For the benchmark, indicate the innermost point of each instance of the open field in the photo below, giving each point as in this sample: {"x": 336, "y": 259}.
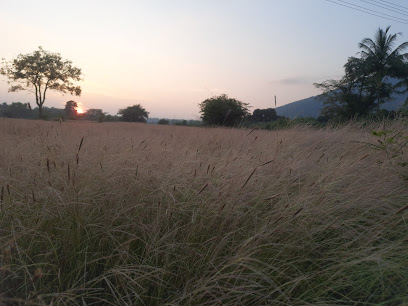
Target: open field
{"x": 153, "y": 215}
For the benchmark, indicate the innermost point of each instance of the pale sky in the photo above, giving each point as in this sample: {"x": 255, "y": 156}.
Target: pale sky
{"x": 169, "y": 55}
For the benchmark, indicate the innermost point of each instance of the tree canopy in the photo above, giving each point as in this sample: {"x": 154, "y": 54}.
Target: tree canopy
{"x": 163, "y": 122}
{"x": 222, "y": 110}
{"x": 95, "y": 114}
{"x": 369, "y": 80}
{"x": 16, "y": 110}
{"x": 135, "y": 113}
{"x": 39, "y": 72}
{"x": 71, "y": 109}
{"x": 264, "y": 115}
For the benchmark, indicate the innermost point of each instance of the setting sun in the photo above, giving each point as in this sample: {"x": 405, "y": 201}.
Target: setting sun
{"x": 80, "y": 110}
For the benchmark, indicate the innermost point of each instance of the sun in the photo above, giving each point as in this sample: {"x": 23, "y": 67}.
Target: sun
{"x": 80, "y": 110}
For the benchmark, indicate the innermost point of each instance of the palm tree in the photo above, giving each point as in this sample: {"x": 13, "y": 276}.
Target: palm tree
{"x": 382, "y": 60}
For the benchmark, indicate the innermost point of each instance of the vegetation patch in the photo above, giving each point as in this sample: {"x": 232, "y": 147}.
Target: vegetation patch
{"x": 128, "y": 213}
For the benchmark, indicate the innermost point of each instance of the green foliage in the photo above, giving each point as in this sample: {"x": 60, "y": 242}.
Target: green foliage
{"x": 39, "y": 72}
{"x": 186, "y": 122}
{"x": 393, "y": 144}
{"x": 112, "y": 118}
{"x": 16, "y": 110}
{"x": 365, "y": 85}
{"x": 49, "y": 113}
{"x": 286, "y": 123}
{"x": 390, "y": 142}
{"x": 264, "y": 115}
{"x": 404, "y": 109}
{"x": 222, "y": 110}
{"x": 24, "y": 111}
{"x": 135, "y": 113}
{"x": 95, "y": 114}
{"x": 163, "y": 122}
{"x": 181, "y": 123}
{"x": 71, "y": 110}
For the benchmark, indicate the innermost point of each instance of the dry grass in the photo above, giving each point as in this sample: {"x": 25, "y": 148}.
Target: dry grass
{"x": 155, "y": 215}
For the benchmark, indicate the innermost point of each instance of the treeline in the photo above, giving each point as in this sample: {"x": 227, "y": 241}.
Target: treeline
{"x": 180, "y": 122}
{"x": 369, "y": 80}
{"x": 21, "y": 110}
{"x": 24, "y": 111}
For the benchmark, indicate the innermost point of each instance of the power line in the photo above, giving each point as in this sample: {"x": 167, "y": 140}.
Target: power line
{"x": 404, "y": 7}
{"x": 405, "y": 10}
{"x": 364, "y": 10}
{"x": 384, "y": 7}
{"x": 362, "y": 7}
{"x": 368, "y": 12}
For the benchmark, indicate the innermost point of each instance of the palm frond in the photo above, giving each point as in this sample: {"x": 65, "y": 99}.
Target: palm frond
{"x": 400, "y": 48}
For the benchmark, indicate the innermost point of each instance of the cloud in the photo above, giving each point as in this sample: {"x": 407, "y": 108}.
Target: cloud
{"x": 303, "y": 80}
{"x": 295, "y": 81}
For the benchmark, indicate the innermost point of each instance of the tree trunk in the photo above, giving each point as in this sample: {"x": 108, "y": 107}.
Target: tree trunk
{"x": 40, "y": 113}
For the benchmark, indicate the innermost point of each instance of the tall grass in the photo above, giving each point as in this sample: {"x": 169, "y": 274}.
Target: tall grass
{"x": 167, "y": 215}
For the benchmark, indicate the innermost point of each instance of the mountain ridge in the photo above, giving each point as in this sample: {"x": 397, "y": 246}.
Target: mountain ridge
{"x": 312, "y": 106}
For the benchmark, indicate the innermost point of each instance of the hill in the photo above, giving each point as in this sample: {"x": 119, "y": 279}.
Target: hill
{"x": 311, "y": 107}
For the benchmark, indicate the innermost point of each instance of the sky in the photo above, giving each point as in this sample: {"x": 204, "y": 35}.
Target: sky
{"x": 170, "y": 55}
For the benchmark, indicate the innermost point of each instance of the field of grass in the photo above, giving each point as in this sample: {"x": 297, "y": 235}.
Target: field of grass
{"x": 122, "y": 214}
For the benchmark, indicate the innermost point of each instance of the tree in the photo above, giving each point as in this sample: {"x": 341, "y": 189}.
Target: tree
{"x": 163, "y": 122}
{"x": 135, "y": 113}
{"x": 367, "y": 84}
{"x": 353, "y": 95}
{"x": 95, "y": 114}
{"x": 71, "y": 109}
{"x": 264, "y": 115}
{"x": 381, "y": 60}
{"x": 222, "y": 110}
{"x": 39, "y": 72}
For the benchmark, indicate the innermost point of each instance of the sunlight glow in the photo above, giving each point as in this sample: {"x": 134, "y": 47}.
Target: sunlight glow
{"x": 80, "y": 110}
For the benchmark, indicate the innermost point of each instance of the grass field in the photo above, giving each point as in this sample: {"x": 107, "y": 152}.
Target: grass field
{"x": 122, "y": 214}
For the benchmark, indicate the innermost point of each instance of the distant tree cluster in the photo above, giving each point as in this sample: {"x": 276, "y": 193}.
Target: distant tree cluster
{"x": 163, "y": 122}
{"x": 264, "y": 115}
{"x": 16, "y": 110}
{"x": 369, "y": 80}
{"x": 24, "y": 111}
{"x": 224, "y": 111}
{"x": 134, "y": 113}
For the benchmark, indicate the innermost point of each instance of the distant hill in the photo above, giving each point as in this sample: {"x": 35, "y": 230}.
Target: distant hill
{"x": 311, "y": 107}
